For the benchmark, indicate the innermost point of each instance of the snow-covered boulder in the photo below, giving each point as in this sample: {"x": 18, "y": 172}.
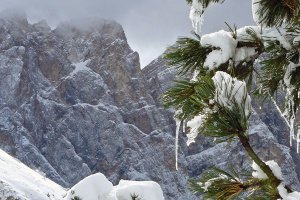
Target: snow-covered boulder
{"x": 98, "y": 187}
{"x": 93, "y": 187}
{"x": 147, "y": 190}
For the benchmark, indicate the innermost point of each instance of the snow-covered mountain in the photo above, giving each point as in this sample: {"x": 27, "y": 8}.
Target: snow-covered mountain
{"x": 74, "y": 102}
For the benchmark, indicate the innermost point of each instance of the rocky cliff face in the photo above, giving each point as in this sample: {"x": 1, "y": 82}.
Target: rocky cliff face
{"x": 73, "y": 101}
{"x": 268, "y": 132}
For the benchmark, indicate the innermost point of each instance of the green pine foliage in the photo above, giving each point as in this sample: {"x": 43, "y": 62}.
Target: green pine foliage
{"x": 275, "y": 13}
{"x": 188, "y": 55}
{"x": 218, "y": 184}
{"x": 272, "y": 12}
{"x": 192, "y": 98}
{"x": 196, "y": 97}
{"x": 225, "y": 124}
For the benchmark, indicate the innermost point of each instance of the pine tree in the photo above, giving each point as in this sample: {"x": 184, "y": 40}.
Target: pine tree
{"x": 222, "y": 65}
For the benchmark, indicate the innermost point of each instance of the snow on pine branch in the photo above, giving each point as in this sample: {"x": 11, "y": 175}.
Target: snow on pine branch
{"x": 258, "y": 173}
{"x": 230, "y": 91}
{"x": 225, "y": 48}
{"x": 193, "y": 126}
{"x": 196, "y": 15}
{"x": 228, "y": 46}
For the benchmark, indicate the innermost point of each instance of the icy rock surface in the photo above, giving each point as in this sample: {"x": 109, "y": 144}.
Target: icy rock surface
{"x": 73, "y": 101}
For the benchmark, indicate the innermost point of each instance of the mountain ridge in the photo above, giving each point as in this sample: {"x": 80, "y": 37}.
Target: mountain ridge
{"x": 75, "y": 103}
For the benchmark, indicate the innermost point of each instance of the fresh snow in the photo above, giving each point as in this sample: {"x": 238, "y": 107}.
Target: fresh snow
{"x": 287, "y": 196}
{"x": 196, "y": 15}
{"x": 80, "y": 66}
{"x": 229, "y": 90}
{"x": 209, "y": 182}
{"x": 226, "y": 45}
{"x": 19, "y": 181}
{"x": 93, "y": 187}
{"x": 258, "y": 173}
{"x": 242, "y": 32}
{"x": 244, "y": 54}
{"x": 193, "y": 124}
{"x": 145, "y": 190}
{"x": 98, "y": 187}
{"x": 275, "y": 35}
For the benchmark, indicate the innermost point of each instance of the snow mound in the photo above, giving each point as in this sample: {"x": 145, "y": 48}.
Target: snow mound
{"x": 20, "y": 182}
{"x": 93, "y": 187}
{"x": 145, "y": 190}
{"x": 98, "y": 187}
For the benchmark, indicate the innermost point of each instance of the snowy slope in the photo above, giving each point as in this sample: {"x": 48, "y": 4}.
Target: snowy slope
{"x": 22, "y": 183}
{"x": 19, "y": 181}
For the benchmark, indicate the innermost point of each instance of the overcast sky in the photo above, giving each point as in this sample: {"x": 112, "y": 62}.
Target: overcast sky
{"x": 150, "y": 25}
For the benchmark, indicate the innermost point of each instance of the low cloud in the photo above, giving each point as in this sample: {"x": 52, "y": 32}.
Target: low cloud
{"x": 150, "y": 26}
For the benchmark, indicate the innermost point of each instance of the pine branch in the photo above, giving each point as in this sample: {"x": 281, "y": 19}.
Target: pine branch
{"x": 224, "y": 124}
{"x": 265, "y": 168}
{"x": 275, "y": 13}
{"x": 221, "y": 185}
{"x": 190, "y": 97}
{"x": 271, "y": 13}
{"x": 188, "y": 55}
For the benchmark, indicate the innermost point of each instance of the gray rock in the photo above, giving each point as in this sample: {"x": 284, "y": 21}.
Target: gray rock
{"x": 74, "y": 102}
